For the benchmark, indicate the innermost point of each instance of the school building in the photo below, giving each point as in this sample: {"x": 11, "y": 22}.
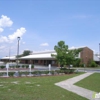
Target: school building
{"x": 45, "y": 58}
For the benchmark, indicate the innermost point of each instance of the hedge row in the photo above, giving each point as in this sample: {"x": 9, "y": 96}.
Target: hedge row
{"x": 38, "y": 73}
{"x": 23, "y": 66}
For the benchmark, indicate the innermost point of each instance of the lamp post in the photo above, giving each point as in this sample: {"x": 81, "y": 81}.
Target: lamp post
{"x": 18, "y": 38}
{"x": 85, "y": 65}
{"x": 9, "y": 55}
{"x": 86, "y": 61}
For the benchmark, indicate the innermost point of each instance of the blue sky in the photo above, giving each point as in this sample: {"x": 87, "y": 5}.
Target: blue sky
{"x": 42, "y": 23}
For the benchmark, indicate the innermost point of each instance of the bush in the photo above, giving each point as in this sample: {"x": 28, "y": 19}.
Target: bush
{"x": 46, "y": 72}
{"x": 62, "y": 71}
{"x": 58, "y": 71}
{"x": 37, "y": 72}
{"x": 1, "y": 73}
{"x": 92, "y": 64}
{"x": 32, "y": 66}
{"x": 27, "y": 66}
{"x": 23, "y": 66}
{"x": 2, "y": 67}
{"x": 11, "y": 73}
{"x": 18, "y": 66}
{"x": 52, "y": 72}
{"x": 67, "y": 71}
{"x": 25, "y": 73}
{"x": 72, "y": 70}
{"x": 63, "y": 68}
{"x": 81, "y": 65}
{"x": 77, "y": 62}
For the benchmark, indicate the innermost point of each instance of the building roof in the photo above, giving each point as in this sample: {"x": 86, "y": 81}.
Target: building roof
{"x": 39, "y": 56}
{"x": 11, "y": 58}
{"x": 72, "y": 48}
{"x": 43, "y": 55}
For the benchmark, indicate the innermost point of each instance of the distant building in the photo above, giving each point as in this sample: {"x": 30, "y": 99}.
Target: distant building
{"x": 45, "y": 58}
{"x": 9, "y": 59}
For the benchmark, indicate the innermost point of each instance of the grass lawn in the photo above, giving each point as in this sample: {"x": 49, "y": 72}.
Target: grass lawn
{"x": 92, "y": 82}
{"x": 36, "y": 88}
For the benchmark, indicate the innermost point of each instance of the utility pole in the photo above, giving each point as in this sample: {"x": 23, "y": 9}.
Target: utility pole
{"x": 18, "y": 38}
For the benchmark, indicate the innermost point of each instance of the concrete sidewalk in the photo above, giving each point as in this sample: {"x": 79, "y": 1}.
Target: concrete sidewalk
{"x": 68, "y": 85}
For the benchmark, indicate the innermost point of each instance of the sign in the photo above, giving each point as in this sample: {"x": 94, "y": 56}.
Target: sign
{"x": 30, "y": 66}
{"x": 49, "y": 67}
{"x": 7, "y": 66}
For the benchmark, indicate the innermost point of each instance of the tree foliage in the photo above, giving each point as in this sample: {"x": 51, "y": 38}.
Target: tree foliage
{"x": 92, "y": 64}
{"x": 65, "y": 56}
{"x": 77, "y": 62}
{"x": 25, "y": 53}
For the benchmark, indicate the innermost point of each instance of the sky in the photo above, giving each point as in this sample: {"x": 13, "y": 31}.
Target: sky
{"x": 42, "y": 23}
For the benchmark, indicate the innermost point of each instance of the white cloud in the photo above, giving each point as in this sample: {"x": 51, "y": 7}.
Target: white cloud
{"x": 72, "y": 47}
{"x": 2, "y": 47}
{"x": 1, "y": 30}
{"x": 3, "y": 39}
{"x": 18, "y": 33}
{"x": 5, "y": 21}
{"x": 23, "y": 42}
{"x": 12, "y": 37}
{"x": 44, "y": 44}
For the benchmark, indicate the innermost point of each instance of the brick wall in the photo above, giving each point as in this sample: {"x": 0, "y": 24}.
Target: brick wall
{"x": 86, "y": 55}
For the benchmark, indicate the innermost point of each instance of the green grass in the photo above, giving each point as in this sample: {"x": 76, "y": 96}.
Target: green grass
{"x": 92, "y": 82}
{"x": 36, "y": 88}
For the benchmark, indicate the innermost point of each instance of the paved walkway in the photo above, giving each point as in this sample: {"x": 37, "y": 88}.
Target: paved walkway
{"x": 68, "y": 85}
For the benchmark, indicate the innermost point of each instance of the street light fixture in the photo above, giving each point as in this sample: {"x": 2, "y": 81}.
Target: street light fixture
{"x": 18, "y": 38}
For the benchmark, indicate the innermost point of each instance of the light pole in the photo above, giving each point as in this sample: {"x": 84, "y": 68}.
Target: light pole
{"x": 85, "y": 65}
{"x": 86, "y": 61}
{"x": 9, "y": 55}
{"x": 18, "y": 38}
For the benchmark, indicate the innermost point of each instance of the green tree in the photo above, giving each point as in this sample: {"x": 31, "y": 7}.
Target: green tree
{"x": 65, "y": 56}
{"x": 92, "y": 64}
{"x": 25, "y": 53}
{"x": 77, "y": 62}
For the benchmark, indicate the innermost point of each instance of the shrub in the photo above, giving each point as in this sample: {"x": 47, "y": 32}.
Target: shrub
{"x": 37, "y": 72}
{"x": 67, "y": 71}
{"x": 81, "y": 65}
{"x": 76, "y": 62}
{"x": 27, "y": 66}
{"x": 58, "y": 71}
{"x": 63, "y": 68}
{"x": 23, "y": 66}
{"x": 52, "y": 72}
{"x": 2, "y": 67}
{"x": 72, "y": 70}
{"x": 46, "y": 72}
{"x": 32, "y": 66}
{"x": 11, "y": 73}
{"x": 92, "y": 64}
{"x": 62, "y": 71}
{"x": 1, "y": 73}
{"x": 25, "y": 73}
